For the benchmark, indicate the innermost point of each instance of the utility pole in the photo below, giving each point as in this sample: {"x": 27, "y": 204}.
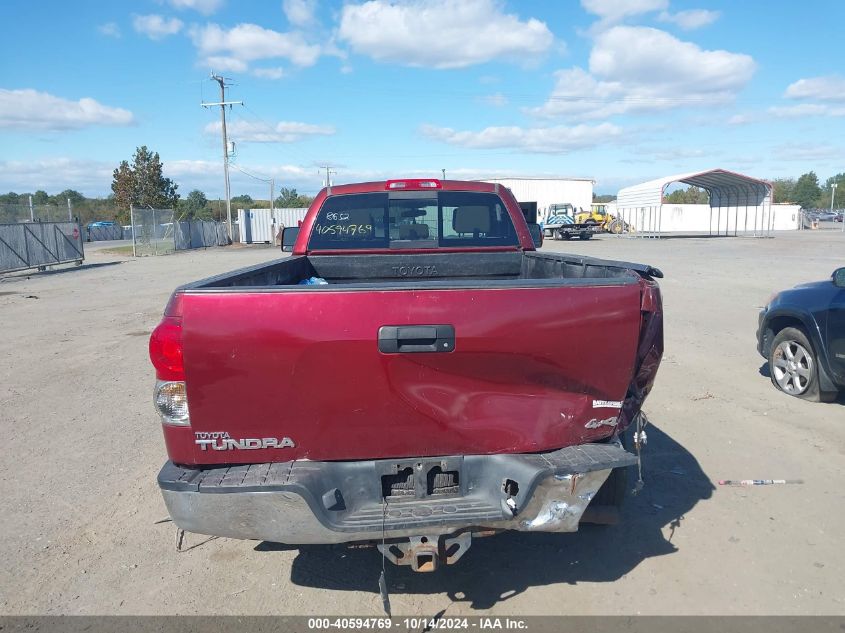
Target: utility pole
{"x": 272, "y": 193}
{"x": 223, "y": 103}
{"x": 444, "y": 173}
{"x": 833, "y": 187}
{"x": 329, "y": 172}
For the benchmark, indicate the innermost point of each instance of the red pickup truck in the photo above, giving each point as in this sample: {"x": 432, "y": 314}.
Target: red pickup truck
{"x": 414, "y": 374}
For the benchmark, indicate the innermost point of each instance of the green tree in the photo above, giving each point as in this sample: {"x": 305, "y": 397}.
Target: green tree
{"x": 607, "y": 197}
{"x": 11, "y": 198}
{"x": 40, "y": 197}
{"x": 807, "y": 191}
{"x": 782, "y": 189}
{"x": 242, "y": 202}
{"x": 690, "y": 195}
{"x": 71, "y": 194}
{"x": 194, "y": 206}
{"x": 143, "y": 183}
{"x": 290, "y": 199}
{"x": 123, "y": 186}
{"x": 839, "y": 200}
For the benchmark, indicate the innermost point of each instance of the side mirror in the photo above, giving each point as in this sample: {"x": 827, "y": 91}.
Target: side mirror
{"x": 839, "y": 277}
{"x": 289, "y": 236}
{"x": 536, "y": 234}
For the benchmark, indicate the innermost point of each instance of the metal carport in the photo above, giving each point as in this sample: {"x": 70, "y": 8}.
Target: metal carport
{"x": 738, "y": 203}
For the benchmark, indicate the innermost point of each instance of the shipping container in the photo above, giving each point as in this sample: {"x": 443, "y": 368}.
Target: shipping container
{"x": 262, "y": 225}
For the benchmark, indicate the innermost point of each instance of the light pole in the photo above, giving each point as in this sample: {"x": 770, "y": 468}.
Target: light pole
{"x": 833, "y": 187}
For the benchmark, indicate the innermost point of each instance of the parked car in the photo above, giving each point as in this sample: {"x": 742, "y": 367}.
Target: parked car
{"x": 414, "y": 375}
{"x": 827, "y": 216}
{"x": 802, "y": 334}
{"x": 101, "y": 223}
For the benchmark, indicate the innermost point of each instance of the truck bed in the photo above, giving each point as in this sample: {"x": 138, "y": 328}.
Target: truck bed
{"x": 546, "y": 351}
{"x": 469, "y": 269}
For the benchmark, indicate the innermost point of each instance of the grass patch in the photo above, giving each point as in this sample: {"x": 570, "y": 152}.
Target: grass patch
{"x": 119, "y": 250}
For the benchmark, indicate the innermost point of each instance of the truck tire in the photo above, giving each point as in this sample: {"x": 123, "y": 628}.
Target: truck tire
{"x": 794, "y": 367}
{"x": 585, "y": 235}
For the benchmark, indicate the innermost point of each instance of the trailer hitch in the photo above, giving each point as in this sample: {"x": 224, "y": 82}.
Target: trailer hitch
{"x": 425, "y": 554}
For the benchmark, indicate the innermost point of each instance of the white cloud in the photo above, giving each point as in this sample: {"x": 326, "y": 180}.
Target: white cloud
{"x": 207, "y": 176}
{"x": 543, "y": 140}
{"x": 691, "y": 19}
{"x": 34, "y": 110}
{"x": 206, "y": 7}
{"x": 740, "y": 119}
{"x": 441, "y": 33}
{"x": 56, "y": 174}
{"x": 830, "y": 88}
{"x": 641, "y": 69}
{"x": 246, "y": 43}
{"x": 109, "y": 29}
{"x": 615, "y": 10}
{"x": 281, "y": 132}
{"x": 642, "y": 54}
{"x": 805, "y": 151}
{"x": 300, "y": 12}
{"x": 221, "y": 63}
{"x": 156, "y": 26}
{"x": 269, "y": 73}
{"x": 497, "y": 100}
{"x": 667, "y": 154}
{"x": 803, "y": 110}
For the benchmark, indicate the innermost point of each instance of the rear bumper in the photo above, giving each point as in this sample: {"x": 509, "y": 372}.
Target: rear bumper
{"x": 304, "y": 502}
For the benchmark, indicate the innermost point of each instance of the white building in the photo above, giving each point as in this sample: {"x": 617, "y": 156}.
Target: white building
{"x": 547, "y": 191}
{"x": 739, "y": 204}
{"x": 699, "y": 219}
{"x": 262, "y": 225}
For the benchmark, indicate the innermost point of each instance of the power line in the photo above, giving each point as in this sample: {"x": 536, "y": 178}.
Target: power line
{"x": 271, "y": 181}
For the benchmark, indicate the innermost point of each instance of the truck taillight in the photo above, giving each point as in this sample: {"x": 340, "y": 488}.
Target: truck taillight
{"x": 166, "y": 349}
{"x": 171, "y": 402}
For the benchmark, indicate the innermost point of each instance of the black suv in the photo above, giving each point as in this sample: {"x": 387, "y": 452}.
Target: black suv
{"x": 802, "y": 335}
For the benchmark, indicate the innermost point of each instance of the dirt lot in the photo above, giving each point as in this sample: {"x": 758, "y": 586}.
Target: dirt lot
{"x": 85, "y": 530}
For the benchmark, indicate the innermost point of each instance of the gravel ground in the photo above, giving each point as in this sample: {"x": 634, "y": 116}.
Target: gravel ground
{"x": 85, "y": 530}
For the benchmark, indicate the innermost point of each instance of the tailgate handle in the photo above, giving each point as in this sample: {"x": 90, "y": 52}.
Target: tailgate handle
{"x": 407, "y": 339}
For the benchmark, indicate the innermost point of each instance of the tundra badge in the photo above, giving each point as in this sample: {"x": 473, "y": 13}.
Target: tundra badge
{"x": 221, "y": 441}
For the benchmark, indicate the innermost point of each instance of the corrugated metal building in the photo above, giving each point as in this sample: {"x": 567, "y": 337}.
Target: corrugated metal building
{"x": 262, "y": 225}
{"x": 547, "y": 191}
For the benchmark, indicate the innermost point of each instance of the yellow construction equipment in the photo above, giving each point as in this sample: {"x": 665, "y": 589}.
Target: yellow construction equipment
{"x": 599, "y": 216}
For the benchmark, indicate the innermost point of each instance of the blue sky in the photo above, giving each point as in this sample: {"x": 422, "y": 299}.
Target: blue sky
{"x": 619, "y": 91}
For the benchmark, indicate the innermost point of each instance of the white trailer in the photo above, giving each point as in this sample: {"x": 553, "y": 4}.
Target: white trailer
{"x": 548, "y": 191}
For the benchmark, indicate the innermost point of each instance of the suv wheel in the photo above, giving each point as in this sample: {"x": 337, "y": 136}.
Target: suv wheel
{"x": 794, "y": 366}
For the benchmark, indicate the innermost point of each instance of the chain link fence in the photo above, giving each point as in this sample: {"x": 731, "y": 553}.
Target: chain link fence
{"x": 16, "y": 213}
{"x": 160, "y": 232}
{"x": 152, "y": 232}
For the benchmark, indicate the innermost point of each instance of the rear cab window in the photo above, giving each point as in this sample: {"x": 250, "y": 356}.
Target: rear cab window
{"x": 412, "y": 219}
